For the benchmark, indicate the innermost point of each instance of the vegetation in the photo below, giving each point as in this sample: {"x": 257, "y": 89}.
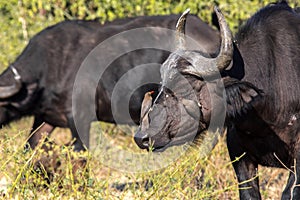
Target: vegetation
{"x": 21, "y": 19}
{"x": 190, "y": 177}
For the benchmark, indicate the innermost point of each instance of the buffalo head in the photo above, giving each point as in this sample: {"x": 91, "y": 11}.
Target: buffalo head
{"x": 8, "y": 91}
{"x": 193, "y": 96}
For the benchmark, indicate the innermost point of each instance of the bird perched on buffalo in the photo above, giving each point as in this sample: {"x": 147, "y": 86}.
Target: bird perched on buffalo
{"x": 146, "y": 105}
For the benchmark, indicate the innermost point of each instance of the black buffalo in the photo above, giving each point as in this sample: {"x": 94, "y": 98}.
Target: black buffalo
{"x": 40, "y": 82}
{"x": 258, "y": 76}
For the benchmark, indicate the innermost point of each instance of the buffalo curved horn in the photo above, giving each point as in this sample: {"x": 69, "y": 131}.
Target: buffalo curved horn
{"x": 224, "y": 58}
{"x": 203, "y": 66}
{"x": 8, "y": 91}
{"x": 180, "y": 30}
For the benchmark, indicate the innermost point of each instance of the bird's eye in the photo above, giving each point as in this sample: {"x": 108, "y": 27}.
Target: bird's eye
{"x": 200, "y": 105}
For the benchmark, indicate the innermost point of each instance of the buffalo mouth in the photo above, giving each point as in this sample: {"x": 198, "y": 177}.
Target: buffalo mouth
{"x": 11, "y": 90}
{"x": 158, "y": 149}
{"x": 182, "y": 141}
{"x": 205, "y": 142}
{"x": 170, "y": 144}
{"x": 158, "y": 144}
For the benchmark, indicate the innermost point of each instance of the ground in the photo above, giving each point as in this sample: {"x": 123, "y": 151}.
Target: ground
{"x": 112, "y": 174}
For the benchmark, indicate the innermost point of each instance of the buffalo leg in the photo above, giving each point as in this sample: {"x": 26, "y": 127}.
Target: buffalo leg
{"x": 286, "y": 194}
{"x": 292, "y": 189}
{"x": 245, "y": 169}
{"x": 83, "y": 127}
{"x": 37, "y": 132}
{"x": 296, "y": 186}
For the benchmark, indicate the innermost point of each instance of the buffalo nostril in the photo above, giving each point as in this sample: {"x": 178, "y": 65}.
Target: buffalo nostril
{"x": 145, "y": 142}
{"x": 141, "y": 140}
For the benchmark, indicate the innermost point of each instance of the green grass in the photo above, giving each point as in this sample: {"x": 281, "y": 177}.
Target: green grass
{"x": 188, "y": 177}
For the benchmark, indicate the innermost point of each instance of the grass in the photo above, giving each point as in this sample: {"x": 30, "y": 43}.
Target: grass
{"x": 186, "y": 177}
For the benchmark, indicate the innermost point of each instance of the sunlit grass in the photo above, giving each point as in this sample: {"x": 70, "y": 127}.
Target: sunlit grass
{"x": 187, "y": 177}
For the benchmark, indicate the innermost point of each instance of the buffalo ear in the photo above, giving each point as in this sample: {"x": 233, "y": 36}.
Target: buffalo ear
{"x": 241, "y": 97}
{"x": 249, "y": 94}
{"x": 191, "y": 108}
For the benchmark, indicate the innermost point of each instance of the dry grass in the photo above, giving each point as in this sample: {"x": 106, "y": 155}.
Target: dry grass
{"x": 188, "y": 177}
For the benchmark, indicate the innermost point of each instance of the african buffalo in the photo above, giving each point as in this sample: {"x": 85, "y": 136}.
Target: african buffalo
{"x": 254, "y": 81}
{"x": 40, "y": 82}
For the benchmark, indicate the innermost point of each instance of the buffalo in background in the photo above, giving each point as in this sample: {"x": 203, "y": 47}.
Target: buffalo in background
{"x": 254, "y": 82}
{"x": 40, "y": 82}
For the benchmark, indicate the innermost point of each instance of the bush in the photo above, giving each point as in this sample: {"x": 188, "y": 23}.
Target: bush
{"x": 21, "y": 19}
